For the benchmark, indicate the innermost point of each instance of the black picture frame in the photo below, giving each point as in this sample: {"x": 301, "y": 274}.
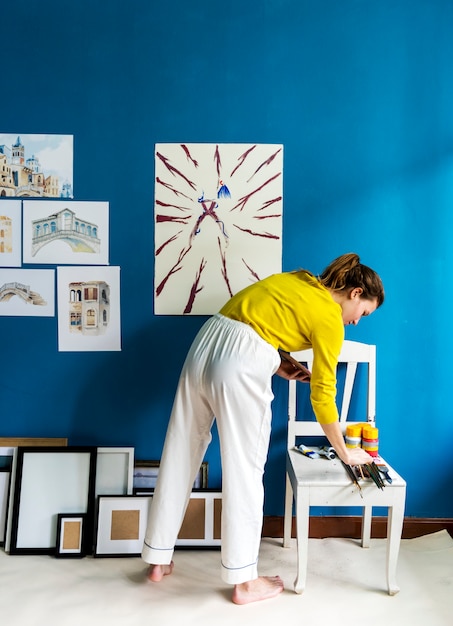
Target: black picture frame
{"x": 71, "y": 531}
{"x": 50, "y": 481}
{"x": 145, "y": 476}
{"x": 121, "y": 525}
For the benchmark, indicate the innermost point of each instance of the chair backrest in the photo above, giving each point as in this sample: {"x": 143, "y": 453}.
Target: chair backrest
{"x": 351, "y": 354}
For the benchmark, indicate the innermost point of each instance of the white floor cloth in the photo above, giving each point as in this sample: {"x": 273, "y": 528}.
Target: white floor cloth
{"x": 345, "y": 585}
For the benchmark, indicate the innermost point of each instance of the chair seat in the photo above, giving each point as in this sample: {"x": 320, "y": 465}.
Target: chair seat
{"x": 323, "y": 475}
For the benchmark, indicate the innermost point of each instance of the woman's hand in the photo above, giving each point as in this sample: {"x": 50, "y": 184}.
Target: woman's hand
{"x": 350, "y": 456}
{"x": 293, "y": 370}
{"x": 357, "y": 456}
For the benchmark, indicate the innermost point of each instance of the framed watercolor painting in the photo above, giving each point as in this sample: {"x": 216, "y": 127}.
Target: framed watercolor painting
{"x": 88, "y": 308}
{"x": 36, "y": 165}
{"x": 66, "y": 232}
{"x": 27, "y": 293}
{"x": 10, "y": 233}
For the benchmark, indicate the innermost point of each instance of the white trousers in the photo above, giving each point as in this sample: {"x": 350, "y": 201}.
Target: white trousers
{"x": 227, "y": 376}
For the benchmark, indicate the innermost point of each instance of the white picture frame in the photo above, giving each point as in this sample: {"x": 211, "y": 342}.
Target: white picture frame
{"x": 5, "y": 478}
{"x": 122, "y": 520}
{"x": 12, "y": 489}
{"x": 114, "y": 471}
{"x": 6, "y": 456}
{"x": 201, "y": 525}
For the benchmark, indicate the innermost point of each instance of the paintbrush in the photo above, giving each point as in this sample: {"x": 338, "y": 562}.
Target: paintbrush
{"x": 384, "y": 470}
{"x": 353, "y": 477}
{"x": 369, "y": 470}
{"x": 374, "y": 474}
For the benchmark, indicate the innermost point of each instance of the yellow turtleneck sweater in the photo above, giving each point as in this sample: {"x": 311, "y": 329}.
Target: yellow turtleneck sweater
{"x": 293, "y": 311}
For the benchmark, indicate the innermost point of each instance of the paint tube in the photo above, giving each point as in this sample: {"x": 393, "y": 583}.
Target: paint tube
{"x": 328, "y": 452}
{"x": 312, "y": 454}
{"x": 316, "y": 452}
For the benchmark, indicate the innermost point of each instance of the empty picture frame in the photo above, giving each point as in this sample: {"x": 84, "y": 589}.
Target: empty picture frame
{"x": 5, "y": 476}
{"x": 40, "y": 442}
{"x": 8, "y": 459}
{"x": 71, "y": 529}
{"x": 114, "y": 471}
{"x": 50, "y": 481}
{"x": 145, "y": 476}
{"x": 121, "y": 525}
{"x": 122, "y": 521}
{"x": 201, "y": 525}
{"x": 9, "y": 506}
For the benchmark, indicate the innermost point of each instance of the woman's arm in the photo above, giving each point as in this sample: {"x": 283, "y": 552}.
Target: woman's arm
{"x": 350, "y": 456}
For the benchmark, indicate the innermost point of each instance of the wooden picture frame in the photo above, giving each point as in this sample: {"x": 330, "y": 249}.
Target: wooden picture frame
{"x": 146, "y": 472}
{"x": 49, "y": 481}
{"x": 71, "y": 531}
{"x": 16, "y": 442}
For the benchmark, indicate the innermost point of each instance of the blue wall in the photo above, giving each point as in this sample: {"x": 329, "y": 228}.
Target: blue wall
{"x": 361, "y": 95}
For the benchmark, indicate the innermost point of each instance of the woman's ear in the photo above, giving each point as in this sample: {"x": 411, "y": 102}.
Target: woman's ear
{"x": 356, "y": 292}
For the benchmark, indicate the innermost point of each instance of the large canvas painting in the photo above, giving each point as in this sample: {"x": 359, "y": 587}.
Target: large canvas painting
{"x": 36, "y": 166}
{"x": 218, "y": 222}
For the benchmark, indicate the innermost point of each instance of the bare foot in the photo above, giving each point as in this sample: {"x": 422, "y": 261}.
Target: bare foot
{"x": 260, "y": 588}
{"x": 157, "y": 572}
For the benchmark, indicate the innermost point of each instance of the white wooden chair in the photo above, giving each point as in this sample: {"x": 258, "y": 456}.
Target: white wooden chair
{"x": 323, "y": 482}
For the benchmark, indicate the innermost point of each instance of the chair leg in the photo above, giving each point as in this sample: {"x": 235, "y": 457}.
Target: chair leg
{"x": 288, "y": 519}
{"x": 367, "y": 512}
{"x": 394, "y": 532}
{"x": 302, "y": 522}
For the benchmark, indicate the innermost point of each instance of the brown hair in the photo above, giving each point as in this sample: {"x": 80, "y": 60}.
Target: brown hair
{"x": 346, "y": 272}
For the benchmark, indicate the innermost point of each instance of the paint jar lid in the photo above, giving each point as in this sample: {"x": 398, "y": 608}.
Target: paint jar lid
{"x": 370, "y": 432}
{"x": 354, "y": 430}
